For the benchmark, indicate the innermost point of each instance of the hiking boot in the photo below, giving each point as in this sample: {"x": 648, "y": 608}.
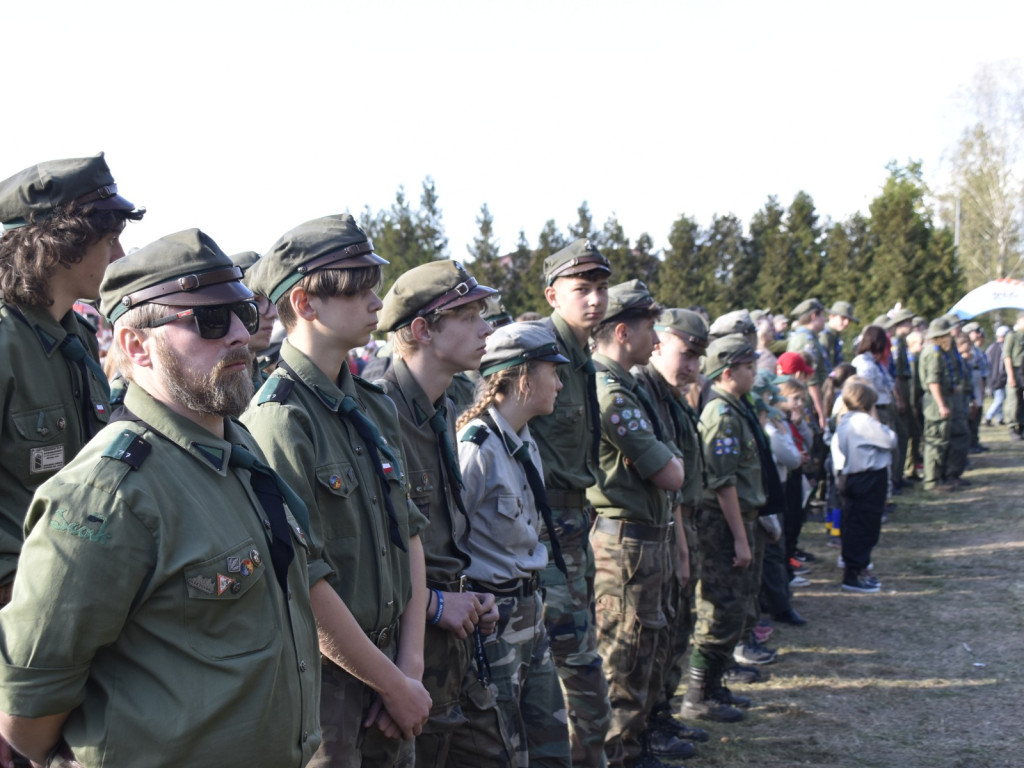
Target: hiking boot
{"x": 698, "y": 706}
{"x": 859, "y": 584}
{"x": 740, "y": 674}
{"x": 718, "y": 691}
{"x": 661, "y": 743}
{"x": 662, "y": 720}
{"x": 753, "y": 653}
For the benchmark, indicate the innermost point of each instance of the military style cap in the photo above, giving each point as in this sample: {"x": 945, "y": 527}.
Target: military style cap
{"x": 628, "y": 299}
{"x": 843, "y": 309}
{"x": 883, "y": 321}
{"x": 726, "y": 352}
{"x": 495, "y": 312}
{"x": 807, "y": 305}
{"x": 973, "y": 327}
{"x": 900, "y": 316}
{"x": 940, "y": 326}
{"x": 737, "y": 321}
{"x": 186, "y": 269}
{"x": 765, "y": 382}
{"x": 792, "y": 362}
{"x": 245, "y": 260}
{"x": 428, "y": 288}
{"x": 576, "y": 258}
{"x": 330, "y": 242}
{"x": 37, "y": 191}
{"x": 687, "y": 325}
{"x": 518, "y": 343}
{"x": 954, "y": 320}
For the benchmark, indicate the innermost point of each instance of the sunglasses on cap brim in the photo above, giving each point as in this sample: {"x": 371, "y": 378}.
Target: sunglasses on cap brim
{"x": 214, "y": 322}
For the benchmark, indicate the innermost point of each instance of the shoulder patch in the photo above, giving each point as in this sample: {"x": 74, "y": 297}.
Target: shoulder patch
{"x": 276, "y": 390}
{"x": 475, "y": 434}
{"x": 130, "y": 448}
{"x": 369, "y": 385}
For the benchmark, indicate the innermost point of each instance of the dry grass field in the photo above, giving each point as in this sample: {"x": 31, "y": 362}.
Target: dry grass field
{"x": 927, "y": 673}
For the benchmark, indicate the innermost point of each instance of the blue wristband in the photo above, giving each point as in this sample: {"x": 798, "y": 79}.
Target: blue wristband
{"x": 440, "y": 607}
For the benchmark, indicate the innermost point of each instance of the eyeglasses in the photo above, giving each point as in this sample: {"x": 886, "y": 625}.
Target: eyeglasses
{"x": 215, "y": 322}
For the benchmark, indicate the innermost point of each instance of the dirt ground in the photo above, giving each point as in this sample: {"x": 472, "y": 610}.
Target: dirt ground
{"x": 927, "y": 672}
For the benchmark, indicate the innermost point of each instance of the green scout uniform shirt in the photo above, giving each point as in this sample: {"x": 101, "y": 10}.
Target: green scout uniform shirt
{"x": 730, "y": 454}
{"x": 429, "y": 489}
{"x": 43, "y": 425}
{"x": 138, "y": 618}
{"x": 800, "y": 340}
{"x": 630, "y": 453}
{"x": 565, "y": 437}
{"x": 832, "y": 345}
{"x": 462, "y": 391}
{"x": 935, "y": 367}
{"x": 680, "y": 427}
{"x": 1013, "y": 348}
{"x": 320, "y": 455}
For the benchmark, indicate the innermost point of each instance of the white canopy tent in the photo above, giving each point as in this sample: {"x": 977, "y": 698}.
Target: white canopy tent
{"x": 1004, "y": 293}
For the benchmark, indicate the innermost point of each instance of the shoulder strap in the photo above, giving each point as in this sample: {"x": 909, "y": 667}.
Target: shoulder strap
{"x": 475, "y": 434}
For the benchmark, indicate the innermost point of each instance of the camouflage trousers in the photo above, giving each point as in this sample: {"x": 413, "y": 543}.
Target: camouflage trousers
{"x": 450, "y": 676}
{"x": 723, "y": 597}
{"x": 936, "y": 450}
{"x": 534, "y": 729}
{"x": 679, "y": 608}
{"x": 344, "y": 704}
{"x": 569, "y": 620}
{"x": 959, "y": 437}
{"x": 632, "y": 634}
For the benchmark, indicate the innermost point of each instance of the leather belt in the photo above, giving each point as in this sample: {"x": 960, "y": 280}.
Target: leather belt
{"x": 515, "y": 587}
{"x": 566, "y": 499}
{"x": 459, "y": 585}
{"x": 623, "y": 529}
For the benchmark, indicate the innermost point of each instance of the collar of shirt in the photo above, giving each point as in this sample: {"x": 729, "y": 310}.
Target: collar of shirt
{"x": 578, "y": 356}
{"x": 49, "y": 332}
{"x": 211, "y": 451}
{"x": 509, "y": 437}
{"x": 422, "y": 409}
{"x": 328, "y": 392}
{"x": 625, "y": 377}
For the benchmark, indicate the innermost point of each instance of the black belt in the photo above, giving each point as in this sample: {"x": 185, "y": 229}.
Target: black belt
{"x": 513, "y": 588}
{"x": 624, "y": 529}
{"x": 459, "y": 585}
{"x": 566, "y": 499}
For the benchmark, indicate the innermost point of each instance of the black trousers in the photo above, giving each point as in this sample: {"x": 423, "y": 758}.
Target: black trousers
{"x": 863, "y": 502}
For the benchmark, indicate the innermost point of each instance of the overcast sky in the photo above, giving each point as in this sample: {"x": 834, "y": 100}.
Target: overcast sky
{"x": 247, "y": 118}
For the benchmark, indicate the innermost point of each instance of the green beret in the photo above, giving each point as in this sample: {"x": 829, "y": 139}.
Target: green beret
{"x": 330, "y": 242}
{"x": 807, "y": 305}
{"x": 576, "y": 258}
{"x": 940, "y": 326}
{"x": 186, "y": 269}
{"x": 430, "y": 287}
{"x": 737, "y": 321}
{"x": 687, "y": 325}
{"x": 629, "y": 299}
{"x": 726, "y": 352}
{"x": 518, "y": 343}
{"x": 35, "y": 192}
{"x": 843, "y": 309}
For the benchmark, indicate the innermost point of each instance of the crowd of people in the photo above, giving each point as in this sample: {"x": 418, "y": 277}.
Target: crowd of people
{"x": 258, "y": 535}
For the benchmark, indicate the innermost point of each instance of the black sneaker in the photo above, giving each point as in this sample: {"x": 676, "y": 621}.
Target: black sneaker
{"x": 803, "y": 557}
{"x": 859, "y": 584}
{"x": 739, "y": 674}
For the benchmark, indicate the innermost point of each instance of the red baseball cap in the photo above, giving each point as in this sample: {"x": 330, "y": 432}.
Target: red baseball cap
{"x": 790, "y": 363}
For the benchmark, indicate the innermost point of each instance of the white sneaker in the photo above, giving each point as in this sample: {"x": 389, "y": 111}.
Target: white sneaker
{"x": 799, "y": 581}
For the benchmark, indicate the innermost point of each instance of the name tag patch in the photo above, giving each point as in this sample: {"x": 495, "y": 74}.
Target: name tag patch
{"x": 47, "y": 459}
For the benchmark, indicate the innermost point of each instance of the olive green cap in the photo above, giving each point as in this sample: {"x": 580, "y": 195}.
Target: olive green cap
{"x": 37, "y": 191}
{"x": 883, "y": 321}
{"x": 576, "y": 258}
{"x": 245, "y": 260}
{"x": 807, "y": 305}
{"x": 901, "y": 316}
{"x": 726, "y": 352}
{"x": 940, "y": 326}
{"x": 737, "y": 321}
{"x": 495, "y": 312}
{"x": 687, "y": 325}
{"x": 518, "y": 343}
{"x": 628, "y": 299}
{"x": 843, "y": 309}
{"x": 973, "y": 327}
{"x": 330, "y": 242}
{"x": 428, "y": 288}
{"x": 186, "y": 269}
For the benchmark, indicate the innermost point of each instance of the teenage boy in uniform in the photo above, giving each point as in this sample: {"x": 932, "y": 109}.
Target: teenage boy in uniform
{"x": 731, "y": 500}
{"x": 336, "y": 439}
{"x": 840, "y": 315}
{"x": 577, "y": 290}
{"x": 434, "y": 313}
{"x": 162, "y": 615}
{"x": 810, "y": 322}
{"x": 638, "y": 476}
{"x": 62, "y": 222}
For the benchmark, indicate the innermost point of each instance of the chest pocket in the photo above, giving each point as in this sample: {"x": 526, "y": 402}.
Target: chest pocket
{"x": 337, "y": 493}
{"x": 41, "y": 445}
{"x": 226, "y": 613}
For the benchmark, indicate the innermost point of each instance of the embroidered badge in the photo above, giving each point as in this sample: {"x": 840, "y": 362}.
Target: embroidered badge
{"x": 621, "y": 431}
{"x": 619, "y": 400}
{"x": 98, "y": 535}
{"x": 234, "y": 565}
{"x": 615, "y": 418}
{"x": 627, "y": 413}
{"x": 224, "y": 583}
{"x": 247, "y": 567}
{"x": 335, "y": 482}
{"x": 643, "y": 423}
{"x": 202, "y": 583}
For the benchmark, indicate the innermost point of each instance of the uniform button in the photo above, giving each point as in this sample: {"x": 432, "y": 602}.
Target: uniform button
{"x": 302, "y": 666}
{"x": 359, "y": 450}
{"x": 383, "y": 551}
{"x": 531, "y": 553}
{"x": 374, "y": 499}
{"x": 305, "y": 736}
{"x": 266, "y": 523}
{"x": 390, "y": 603}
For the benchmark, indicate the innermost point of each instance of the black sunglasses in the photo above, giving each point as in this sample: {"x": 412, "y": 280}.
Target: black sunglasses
{"x": 215, "y": 322}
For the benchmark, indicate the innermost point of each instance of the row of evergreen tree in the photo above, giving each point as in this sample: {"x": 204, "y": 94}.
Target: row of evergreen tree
{"x": 896, "y": 253}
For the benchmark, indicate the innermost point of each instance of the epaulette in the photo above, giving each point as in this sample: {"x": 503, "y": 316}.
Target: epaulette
{"x": 475, "y": 434}
{"x": 86, "y": 322}
{"x": 369, "y": 385}
{"x": 276, "y": 390}
{"x": 130, "y": 448}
